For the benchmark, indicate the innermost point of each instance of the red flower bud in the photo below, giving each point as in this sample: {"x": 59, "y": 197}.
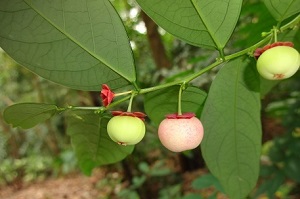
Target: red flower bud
{"x": 106, "y": 95}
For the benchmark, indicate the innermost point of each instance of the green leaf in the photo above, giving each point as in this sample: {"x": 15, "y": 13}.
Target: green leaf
{"x": 282, "y": 9}
{"x": 232, "y": 129}
{"x": 27, "y": 115}
{"x": 204, "y": 23}
{"x": 206, "y": 181}
{"x": 162, "y": 102}
{"x": 79, "y": 44}
{"x": 93, "y": 146}
{"x": 271, "y": 185}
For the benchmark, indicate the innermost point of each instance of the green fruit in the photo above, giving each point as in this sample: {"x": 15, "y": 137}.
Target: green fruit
{"x": 126, "y": 130}
{"x": 182, "y": 134}
{"x": 279, "y": 62}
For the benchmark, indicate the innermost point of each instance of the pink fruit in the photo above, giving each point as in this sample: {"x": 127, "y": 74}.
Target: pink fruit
{"x": 180, "y": 132}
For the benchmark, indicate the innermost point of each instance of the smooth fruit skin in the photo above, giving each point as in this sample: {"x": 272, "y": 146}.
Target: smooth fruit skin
{"x": 126, "y": 130}
{"x": 279, "y": 62}
{"x": 179, "y": 135}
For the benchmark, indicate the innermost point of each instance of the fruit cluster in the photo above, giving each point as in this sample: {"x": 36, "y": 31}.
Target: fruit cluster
{"x": 181, "y": 132}
{"x": 177, "y": 132}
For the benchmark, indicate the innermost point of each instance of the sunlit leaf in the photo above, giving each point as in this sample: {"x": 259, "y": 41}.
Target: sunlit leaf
{"x": 231, "y": 119}
{"x": 205, "y": 23}
{"x": 282, "y": 9}
{"x": 162, "y": 102}
{"x": 92, "y": 145}
{"x": 80, "y": 44}
{"x": 27, "y": 115}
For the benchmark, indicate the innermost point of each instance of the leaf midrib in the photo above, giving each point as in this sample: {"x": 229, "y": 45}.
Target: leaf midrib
{"x": 205, "y": 24}
{"x": 78, "y": 43}
{"x": 235, "y": 120}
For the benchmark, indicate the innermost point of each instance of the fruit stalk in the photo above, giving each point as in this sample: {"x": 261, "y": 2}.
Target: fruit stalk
{"x": 179, "y": 112}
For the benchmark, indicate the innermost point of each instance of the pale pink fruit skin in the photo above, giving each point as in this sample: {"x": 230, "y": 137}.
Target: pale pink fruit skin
{"x": 179, "y": 135}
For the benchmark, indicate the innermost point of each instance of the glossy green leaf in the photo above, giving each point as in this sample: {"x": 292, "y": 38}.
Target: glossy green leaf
{"x": 162, "y": 102}
{"x": 205, "y": 23}
{"x": 27, "y": 115}
{"x": 92, "y": 145}
{"x": 79, "y": 44}
{"x": 232, "y": 129}
{"x": 282, "y": 9}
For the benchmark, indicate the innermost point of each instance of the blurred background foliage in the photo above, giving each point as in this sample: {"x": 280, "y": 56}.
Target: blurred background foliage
{"x": 153, "y": 172}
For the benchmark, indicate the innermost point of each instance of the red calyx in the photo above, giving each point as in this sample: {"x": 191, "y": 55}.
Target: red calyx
{"x": 182, "y": 116}
{"x": 260, "y": 51}
{"x": 132, "y": 114}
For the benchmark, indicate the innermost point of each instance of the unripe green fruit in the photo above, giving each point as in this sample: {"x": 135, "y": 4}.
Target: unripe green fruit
{"x": 279, "y": 62}
{"x": 126, "y": 130}
{"x": 179, "y": 135}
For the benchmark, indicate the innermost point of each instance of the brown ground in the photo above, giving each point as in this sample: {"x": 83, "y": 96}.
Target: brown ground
{"x": 101, "y": 185}
{"x": 76, "y": 186}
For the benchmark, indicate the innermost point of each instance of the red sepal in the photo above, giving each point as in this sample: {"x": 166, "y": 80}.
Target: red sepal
{"x": 260, "y": 51}
{"x": 182, "y": 116}
{"x": 132, "y": 114}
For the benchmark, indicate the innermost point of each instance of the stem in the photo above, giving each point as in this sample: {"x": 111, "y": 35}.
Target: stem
{"x": 80, "y": 108}
{"x": 275, "y": 33}
{"x": 291, "y": 24}
{"x": 130, "y": 102}
{"x": 154, "y": 88}
{"x": 179, "y": 112}
{"x": 136, "y": 86}
{"x": 204, "y": 70}
{"x": 117, "y": 102}
{"x": 123, "y": 93}
{"x": 222, "y": 55}
{"x": 96, "y": 108}
{"x": 247, "y": 50}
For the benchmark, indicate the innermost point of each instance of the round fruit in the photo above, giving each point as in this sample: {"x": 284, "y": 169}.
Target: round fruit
{"x": 180, "y": 134}
{"x": 279, "y": 62}
{"x": 126, "y": 130}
